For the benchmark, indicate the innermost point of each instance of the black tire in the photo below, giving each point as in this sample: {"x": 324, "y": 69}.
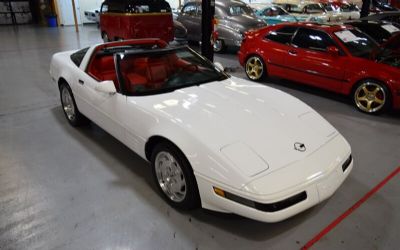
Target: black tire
{"x": 259, "y": 71}
{"x": 219, "y": 46}
{"x": 371, "y": 97}
{"x": 191, "y": 199}
{"x": 76, "y": 119}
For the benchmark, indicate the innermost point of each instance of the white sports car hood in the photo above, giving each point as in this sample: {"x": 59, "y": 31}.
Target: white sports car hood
{"x": 254, "y": 127}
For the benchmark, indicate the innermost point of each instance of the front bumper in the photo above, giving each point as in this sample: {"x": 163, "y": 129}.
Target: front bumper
{"x": 318, "y": 187}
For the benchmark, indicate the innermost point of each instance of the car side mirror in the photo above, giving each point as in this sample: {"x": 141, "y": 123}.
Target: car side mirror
{"x": 219, "y": 66}
{"x": 107, "y": 87}
{"x": 332, "y": 50}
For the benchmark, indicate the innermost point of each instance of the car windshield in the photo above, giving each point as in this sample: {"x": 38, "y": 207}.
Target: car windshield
{"x": 237, "y": 10}
{"x": 358, "y": 43}
{"x": 165, "y": 70}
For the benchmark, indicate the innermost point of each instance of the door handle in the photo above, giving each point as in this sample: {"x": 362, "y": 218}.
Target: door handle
{"x": 81, "y": 82}
{"x": 292, "y": 52}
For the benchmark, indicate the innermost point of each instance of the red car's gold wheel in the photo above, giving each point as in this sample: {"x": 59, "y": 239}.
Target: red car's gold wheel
{"x": 370, "y": 97}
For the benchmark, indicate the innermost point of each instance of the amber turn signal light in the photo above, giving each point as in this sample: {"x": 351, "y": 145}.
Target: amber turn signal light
{"x": 219, "y": 191}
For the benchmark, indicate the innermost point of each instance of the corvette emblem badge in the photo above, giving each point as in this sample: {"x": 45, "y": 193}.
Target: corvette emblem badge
{"x": 300, "y": 147}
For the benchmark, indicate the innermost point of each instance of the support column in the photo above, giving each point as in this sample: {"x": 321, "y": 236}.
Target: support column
{"x": 207, "y": 15}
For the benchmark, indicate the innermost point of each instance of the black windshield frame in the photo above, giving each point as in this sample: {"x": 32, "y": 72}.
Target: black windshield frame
{"x": 124, "y": 91}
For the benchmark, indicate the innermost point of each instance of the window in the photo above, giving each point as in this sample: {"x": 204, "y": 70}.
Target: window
{"x": 312, "y": 39}
{"x": 328, "y": 7}
{"x": 376, "y": 31}
{"x": 78, "y": 56}
{"x": 274, "y": 11}
{"x": 104, "y": 8}
{"x": 116, "y": 6}
{"x": 345, "y": 8}
{"x": 358, "y": 43}
{"x": 238, "y": 10}
{"x": 354, "y": 7}
{"x": 189, "y": 9}
{"x": 313, "y": 9}
{"x": 282, "y": 35}
{"x": 165, "y": 70}
{"x": 138, "y": 8}
{"x": 292, "y": 8}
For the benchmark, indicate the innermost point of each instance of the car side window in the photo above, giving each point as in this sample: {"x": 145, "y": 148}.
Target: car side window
{"x": 102, "y": 68}
{"x": 312, "y": 39}
{"x": 78, "y": 56}
{"x": 104, "y": 7}
{"x": 345, "y": 8}
{"x": 354, "y": 7}
{"x": 283, "y": 35}
{"x": 189, "y": 9}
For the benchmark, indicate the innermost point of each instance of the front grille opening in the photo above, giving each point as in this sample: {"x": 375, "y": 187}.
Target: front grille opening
{"x": 280, "y": 205}
{"x": 346, "y": 164}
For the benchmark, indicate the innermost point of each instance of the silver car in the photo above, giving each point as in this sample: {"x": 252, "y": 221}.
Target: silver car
{"x": 233, "y": 19}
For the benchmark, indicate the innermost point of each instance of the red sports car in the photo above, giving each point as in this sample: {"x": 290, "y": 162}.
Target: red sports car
{"x": 339, "y": 58}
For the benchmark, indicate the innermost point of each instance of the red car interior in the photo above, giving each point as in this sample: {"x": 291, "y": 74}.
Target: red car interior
{"x": 102, "y": 68}
{"x": 149, "y": 72}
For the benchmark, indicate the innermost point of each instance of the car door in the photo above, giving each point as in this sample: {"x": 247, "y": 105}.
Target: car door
{"x": 308, "y": 60}
{"x": 104, "y": 109}
{"x": 188, "y": 17}
{"x": 275, "y": 47}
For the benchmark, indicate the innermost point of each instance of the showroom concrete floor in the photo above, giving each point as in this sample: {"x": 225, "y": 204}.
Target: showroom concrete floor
{"x": 68, "y": 188}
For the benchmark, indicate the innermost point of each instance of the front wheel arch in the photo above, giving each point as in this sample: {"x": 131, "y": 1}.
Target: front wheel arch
{"x": 62, "y": 81}
{"x": 153, "y": 145}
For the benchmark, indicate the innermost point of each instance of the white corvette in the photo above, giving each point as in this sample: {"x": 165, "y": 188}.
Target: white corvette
{"x": 213, "y": 140}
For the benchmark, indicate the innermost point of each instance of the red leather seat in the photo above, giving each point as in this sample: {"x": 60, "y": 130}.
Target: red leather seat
{"x": 103, "y": 69}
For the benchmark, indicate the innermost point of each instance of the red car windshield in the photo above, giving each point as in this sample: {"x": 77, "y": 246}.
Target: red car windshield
{"x": 358, "y": 43}
{"x": 165, "y": 70}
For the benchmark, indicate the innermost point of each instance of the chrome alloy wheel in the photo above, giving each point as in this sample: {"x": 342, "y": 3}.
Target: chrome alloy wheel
{"x": 68, "y": 104}
{"x": 170, "y": 176}
{"x": 370, "y": 97}
{"x": 254, "y": 68}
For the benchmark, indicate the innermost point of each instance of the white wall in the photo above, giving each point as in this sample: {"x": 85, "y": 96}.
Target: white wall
{"x": 65, "y": 12}
{"x": 88, "y": 5}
